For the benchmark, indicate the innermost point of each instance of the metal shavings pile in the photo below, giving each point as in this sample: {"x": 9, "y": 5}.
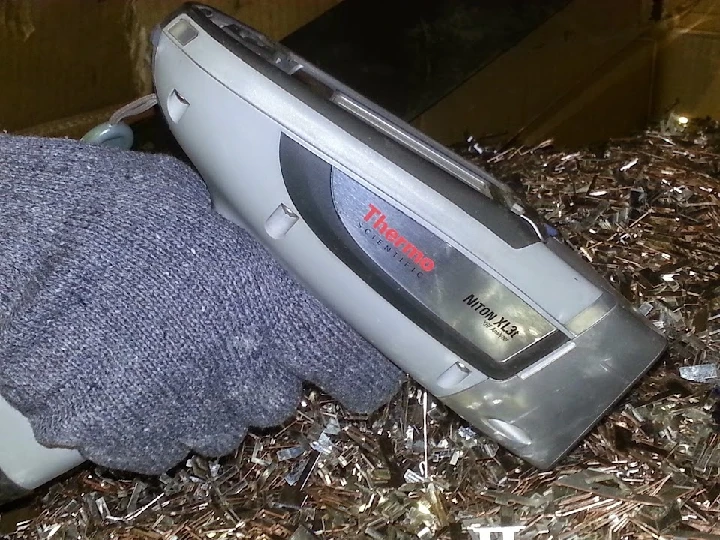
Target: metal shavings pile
{"x": 645, "y": 212}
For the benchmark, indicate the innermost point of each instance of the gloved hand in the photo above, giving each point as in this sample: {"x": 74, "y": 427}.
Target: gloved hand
{"x": 138, "y": 325}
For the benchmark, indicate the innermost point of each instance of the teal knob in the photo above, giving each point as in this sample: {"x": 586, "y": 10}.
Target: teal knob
{"x": 118, "y": 135}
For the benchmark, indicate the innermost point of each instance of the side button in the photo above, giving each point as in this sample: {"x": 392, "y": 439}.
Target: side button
{"x": 176, "y": 106}
{"x": 453, "y": 376}
{"x": 280, "y": 222}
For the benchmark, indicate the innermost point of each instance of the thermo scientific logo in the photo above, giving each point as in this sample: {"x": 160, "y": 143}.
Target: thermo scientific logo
{"x": 394, "y": 242}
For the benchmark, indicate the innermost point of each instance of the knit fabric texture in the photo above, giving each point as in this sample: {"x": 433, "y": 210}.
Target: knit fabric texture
{"x": 137, "y": 325}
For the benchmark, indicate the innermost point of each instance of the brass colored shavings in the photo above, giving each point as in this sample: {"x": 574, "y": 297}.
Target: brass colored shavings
{"x": 644, "y": 211}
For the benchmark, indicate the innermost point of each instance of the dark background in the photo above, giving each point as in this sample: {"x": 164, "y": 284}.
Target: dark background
{"x": 407, "y": 55}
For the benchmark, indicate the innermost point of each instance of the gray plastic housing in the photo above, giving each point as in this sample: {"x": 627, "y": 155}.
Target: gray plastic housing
{"x": 309, "y": 168}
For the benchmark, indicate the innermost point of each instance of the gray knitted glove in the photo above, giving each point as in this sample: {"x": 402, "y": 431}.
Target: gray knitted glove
{"x": 137, "y": 325}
